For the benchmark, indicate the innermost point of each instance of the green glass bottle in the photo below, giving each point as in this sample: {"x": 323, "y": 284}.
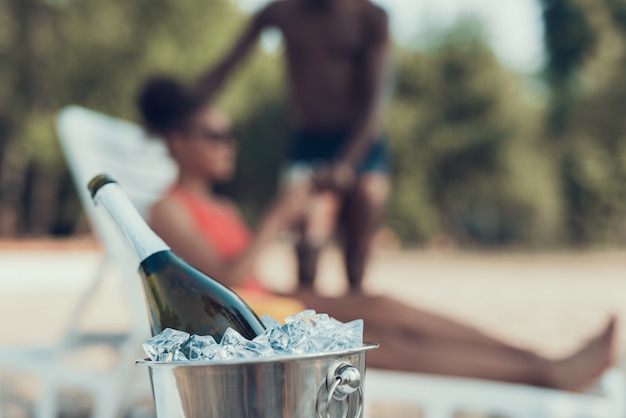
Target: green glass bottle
{"x": 178, "y": 295}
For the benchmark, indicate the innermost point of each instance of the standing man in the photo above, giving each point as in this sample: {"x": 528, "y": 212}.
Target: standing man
{"x": 337, "y": 54}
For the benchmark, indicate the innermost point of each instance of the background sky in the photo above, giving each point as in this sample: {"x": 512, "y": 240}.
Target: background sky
{"x": 514, "y": 26}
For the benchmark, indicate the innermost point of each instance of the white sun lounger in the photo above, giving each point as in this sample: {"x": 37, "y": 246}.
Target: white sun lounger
{"x": 94, "y": 143}
{"x": 445, "y": 397}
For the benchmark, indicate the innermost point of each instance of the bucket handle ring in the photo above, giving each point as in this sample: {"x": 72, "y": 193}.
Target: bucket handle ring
{"x": 342, "y": 380}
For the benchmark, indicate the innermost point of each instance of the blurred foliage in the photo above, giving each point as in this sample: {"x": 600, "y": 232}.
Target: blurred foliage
{"x": 467, "y": 154}
{"x": 481, "y": 155}
{"x": 584, "y": 121}
{"x": 568, "y": 37}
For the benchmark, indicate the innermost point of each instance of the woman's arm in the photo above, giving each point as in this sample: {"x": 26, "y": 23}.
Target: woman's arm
{"x": 171, "y": 222}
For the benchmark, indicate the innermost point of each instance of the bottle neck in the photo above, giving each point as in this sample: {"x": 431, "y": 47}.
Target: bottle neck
{"x": 142, "y": 241}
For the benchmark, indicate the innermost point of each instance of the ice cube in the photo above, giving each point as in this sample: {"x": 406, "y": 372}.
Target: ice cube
{"x": 275, "y": 337}
{"x": 269, "y": 322}
{"x": 353, "y": 333}
{"x": 303, "y": 333}
{"x": 174, "y": 356}
{"x": 300, "y": 315}
{"x": 166, "y": 345}
{"x": 200, "y": 347}
{"x": 320, "y": 324}
{"x": 345, "y": 336}
{"x": 234, "y": 345}
{"x": 300, "y": 338}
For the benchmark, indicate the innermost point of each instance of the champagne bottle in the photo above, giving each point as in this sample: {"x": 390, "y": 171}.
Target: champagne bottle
{"x": 178, "y": 296}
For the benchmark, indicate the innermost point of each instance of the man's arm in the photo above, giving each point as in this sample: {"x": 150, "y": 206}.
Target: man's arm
{"x": 213, "y": 79}
{"x": 375, "y": 65}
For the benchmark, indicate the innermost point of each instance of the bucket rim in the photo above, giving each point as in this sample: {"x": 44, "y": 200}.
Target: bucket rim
{"x": 258, "y": 360}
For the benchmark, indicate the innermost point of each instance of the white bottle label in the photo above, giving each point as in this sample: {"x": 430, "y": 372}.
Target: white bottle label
{"x": 142, "y": 240}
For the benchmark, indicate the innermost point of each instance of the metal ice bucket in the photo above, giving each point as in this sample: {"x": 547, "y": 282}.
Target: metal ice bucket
{"x": 327, "y": 385}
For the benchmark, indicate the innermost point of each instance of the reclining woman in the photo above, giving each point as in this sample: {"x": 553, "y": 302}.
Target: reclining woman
{"x": 208, "y": 232}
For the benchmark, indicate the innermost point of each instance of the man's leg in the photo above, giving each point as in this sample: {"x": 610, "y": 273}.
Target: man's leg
{"x": 317, "y": 228}
{"x": 362, "y": 215}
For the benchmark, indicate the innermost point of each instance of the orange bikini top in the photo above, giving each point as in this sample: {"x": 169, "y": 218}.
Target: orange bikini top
{"x": 221, "y": 225}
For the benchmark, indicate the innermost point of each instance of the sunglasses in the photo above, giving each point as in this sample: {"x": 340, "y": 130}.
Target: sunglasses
{"x": 210, "y": 135}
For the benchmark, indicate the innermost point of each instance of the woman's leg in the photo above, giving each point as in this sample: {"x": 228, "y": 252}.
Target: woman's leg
{"x": 390, "y": 313}
{"x": 433, "y": 344}
{"x": 444, "y": 357}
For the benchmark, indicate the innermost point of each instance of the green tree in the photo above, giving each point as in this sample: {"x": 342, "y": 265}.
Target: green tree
{"x": 466, "y": 159}
{"x": 586, "y": 61}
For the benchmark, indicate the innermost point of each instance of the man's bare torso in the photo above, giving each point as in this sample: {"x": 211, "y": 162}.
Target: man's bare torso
{"x": 327, "y": 47}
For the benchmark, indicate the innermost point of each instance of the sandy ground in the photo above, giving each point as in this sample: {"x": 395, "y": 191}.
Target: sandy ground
{"x": 546, "y": 302}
